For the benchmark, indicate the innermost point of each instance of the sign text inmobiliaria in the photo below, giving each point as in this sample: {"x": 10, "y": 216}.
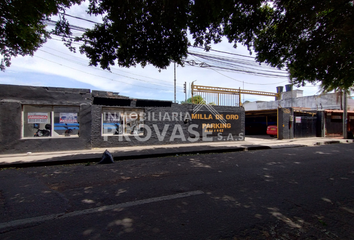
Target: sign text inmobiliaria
{"x": 170, "y": 126}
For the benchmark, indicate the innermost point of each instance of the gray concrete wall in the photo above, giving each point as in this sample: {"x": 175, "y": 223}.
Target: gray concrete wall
{"x": 11, "y": 140}
{"x": 12, "y": 99}
{"x": 45, "y": 95}
{"x": 292, "y": 94}
{"x": 179, "y": 126}
{"x": 320, "y": 130}
{"x": 10, "y": 121}
{"x": 285, "y": 125}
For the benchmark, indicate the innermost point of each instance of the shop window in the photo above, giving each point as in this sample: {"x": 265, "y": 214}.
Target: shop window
{"x": 49, "y": 121}
{"x": 66, "y": 122}
{"x": 122, "y": 121}
{"x": 37, "y": 121}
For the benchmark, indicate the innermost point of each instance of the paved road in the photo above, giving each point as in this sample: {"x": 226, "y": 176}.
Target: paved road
{"x": 298, "y": 193}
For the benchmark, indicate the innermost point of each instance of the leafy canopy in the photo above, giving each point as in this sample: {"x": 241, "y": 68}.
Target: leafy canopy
{"x": 156, "y": 32}
{"x": 196, "y": 100}
{"x": 312, "y": 39}
{"x": 22, "y": 26}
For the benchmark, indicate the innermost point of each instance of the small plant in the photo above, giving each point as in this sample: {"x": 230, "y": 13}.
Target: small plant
{"x": 322, "y": 222}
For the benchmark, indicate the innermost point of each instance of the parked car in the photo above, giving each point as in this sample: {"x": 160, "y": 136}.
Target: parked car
{"x": 272, "y": 130}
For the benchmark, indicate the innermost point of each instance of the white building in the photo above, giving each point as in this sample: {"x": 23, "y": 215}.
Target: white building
{"x": 296, "y": 99}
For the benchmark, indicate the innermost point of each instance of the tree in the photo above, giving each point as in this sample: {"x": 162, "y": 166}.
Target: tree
{"x": 155, "y": 32}
{"x": 338, "y": 91}
{"x": 197, "y": 100}
{"x": 23, "y": 26}
{"x": 311, "y": 39}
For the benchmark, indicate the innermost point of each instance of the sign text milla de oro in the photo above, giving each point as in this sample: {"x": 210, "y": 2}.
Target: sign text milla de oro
{"x": 217, "y": 116}
{"x": 221, "y": 123}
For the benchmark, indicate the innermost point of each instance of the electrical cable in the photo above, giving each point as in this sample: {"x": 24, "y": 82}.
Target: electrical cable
{"x": 227, "y": 64}
{"x": 95, "y": 74}
{"x": 164, "y": 81}
{"x": 244, "y": 81}
{"x": 238, "y": 64}
{"x": 80, "y": 18}
{"x": 104, "y": 70}
{"x": 248, "y": 82}
{"x": 211, "y": 49}
{"x": 222, "y": 59}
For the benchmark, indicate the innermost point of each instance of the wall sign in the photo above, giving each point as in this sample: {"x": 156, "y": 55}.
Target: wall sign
{"x": 219, "y": 124}
{"x": 298, "y": 120}
{"x": 68, "y": 117}
{"x": 112, "y": 117}
{"x": 37, "y": 117}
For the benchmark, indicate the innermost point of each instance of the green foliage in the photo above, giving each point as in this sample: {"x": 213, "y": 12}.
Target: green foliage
{"x": 137, "y": 32}
{"x": 23, "y": 28}
{"x": 312, "y": 39}
{"x": 197, "y": 100}
{"x": 155, "y": 32}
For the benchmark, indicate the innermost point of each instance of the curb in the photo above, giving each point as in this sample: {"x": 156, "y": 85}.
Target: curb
{"x": 290, "y": 146}
{"x": 327, "y": 142}
{"x": 127, "y": 156}
{"x": 156, "y": 153}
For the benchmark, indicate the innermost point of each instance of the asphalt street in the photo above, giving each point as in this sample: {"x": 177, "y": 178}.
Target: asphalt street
{"x": 290, "y": 193}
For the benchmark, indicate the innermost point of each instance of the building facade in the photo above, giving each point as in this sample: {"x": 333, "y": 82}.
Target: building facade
{"x": 295, "y": 99}
{"x": 43, "y": 119}
{"x": 311, "y": 116}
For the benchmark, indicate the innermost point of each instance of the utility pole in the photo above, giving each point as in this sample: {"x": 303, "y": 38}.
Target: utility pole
{"x": 192, "y": 87}
{"x": 175, "y": 82}
{"x": 345, "y": 120}
{"x": 243, "y": 89}
{"x": 185, "y": 90}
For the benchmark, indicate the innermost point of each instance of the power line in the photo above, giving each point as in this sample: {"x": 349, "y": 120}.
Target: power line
{"x": 240, "y": 80}
{"x": 227, "y": 64}
{"x": 80, "y": 18}
{"x": 249, "y": 72}
{"x": 164, "y": 81}
{"x": 103, "y": 70}
{"x": 229, "y": 61}
{"x": 207, "y": 65}
{"x": 245, "y": 69}
{"x": 248, "y": 82}
{"x": 235, "y": 54}
{"x": 73, "y": 27}
{"x": 114, "y": 80}
{"x": 234, "y": 63}
{"x": 225, "y": 60}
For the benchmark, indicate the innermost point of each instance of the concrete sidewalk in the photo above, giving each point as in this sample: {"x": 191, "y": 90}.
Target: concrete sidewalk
{"x": 136, "y": 152}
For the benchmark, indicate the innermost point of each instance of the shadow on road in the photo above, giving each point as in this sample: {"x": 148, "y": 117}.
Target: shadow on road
{"x": 300, "y": 193}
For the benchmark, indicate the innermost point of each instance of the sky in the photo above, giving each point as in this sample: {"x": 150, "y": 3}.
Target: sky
{"x": 54, "y": 65}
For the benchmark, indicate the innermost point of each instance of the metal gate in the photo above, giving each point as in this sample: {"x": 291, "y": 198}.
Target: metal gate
{"x": 305, "y": 124}
{"x": 225, "y": 96}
